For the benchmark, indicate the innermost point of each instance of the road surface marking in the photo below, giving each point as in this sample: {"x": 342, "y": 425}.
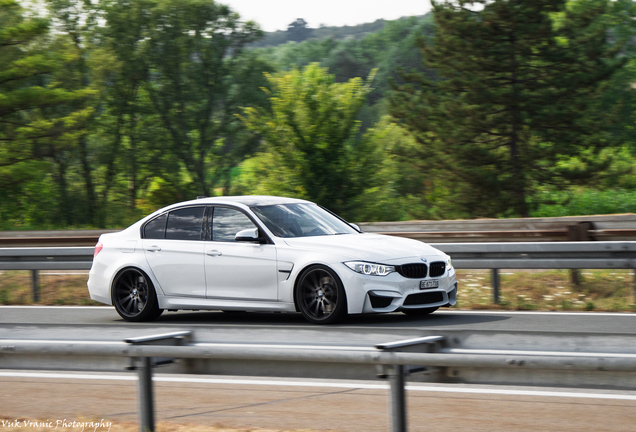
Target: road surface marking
{"x": 446, "y": 312}
{"x": 316, "y": 383}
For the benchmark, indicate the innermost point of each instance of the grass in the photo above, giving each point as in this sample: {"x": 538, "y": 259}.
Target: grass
{"x": 599, "y": 290}
{"x": 55, "y": 288}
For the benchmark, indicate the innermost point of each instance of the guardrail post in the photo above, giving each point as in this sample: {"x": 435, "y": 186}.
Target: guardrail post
{"x": 397, "y": 373}
{"x": 582, "y": 231}
{"x": 495, "y": 286}
{"x": 35, "y": 284}
{"x": 144, "y": 370}
{"x": 398, "y": 399}
{"x": 146, "y": 400}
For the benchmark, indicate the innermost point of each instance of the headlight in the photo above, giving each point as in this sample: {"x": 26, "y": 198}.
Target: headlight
{"x": 449, "y": 262}
{"x": 370, "y": 269}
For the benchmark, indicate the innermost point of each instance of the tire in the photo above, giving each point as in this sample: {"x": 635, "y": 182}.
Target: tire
{"x": 134, "y": 297}
{"x": 320, "y": 296}
{"x": 419, "y": 312}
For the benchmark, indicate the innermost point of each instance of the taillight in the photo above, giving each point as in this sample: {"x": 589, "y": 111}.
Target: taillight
{"x": 98, "y": 249}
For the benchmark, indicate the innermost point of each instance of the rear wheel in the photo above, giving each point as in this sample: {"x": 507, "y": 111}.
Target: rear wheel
{"x": 320, "y": 295}
{"x": 134, "y": 296}
{"x": 419, "y": 312}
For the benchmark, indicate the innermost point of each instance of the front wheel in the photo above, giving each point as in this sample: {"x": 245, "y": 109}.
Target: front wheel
{"x": 419, "y": 312}
{"x": 320, "y": 295}
{"x": 134, "y": 296}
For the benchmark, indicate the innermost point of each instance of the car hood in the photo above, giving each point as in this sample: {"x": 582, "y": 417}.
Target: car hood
{"x": 367, "y": 247}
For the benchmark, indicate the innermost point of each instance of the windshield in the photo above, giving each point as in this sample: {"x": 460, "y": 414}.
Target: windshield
{"x": 301, "y": 220}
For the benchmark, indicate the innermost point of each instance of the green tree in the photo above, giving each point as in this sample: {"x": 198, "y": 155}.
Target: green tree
{"x": 311, "y": 134}
{"x": 298, "y": 31}
{"x": 127, "y": 124}
{"x": 513, "y": 105}
{"x": 192, "y": 48}
{"x": 384, "y": 45}
{"x": 42, "y": 106}
{"x": 74, "y": 21}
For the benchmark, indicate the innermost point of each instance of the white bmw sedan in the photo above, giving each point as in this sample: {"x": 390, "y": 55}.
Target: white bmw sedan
{"x": 262, "y": 253}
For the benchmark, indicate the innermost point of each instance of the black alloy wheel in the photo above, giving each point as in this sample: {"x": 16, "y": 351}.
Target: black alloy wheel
{"x": 134, "y": 296}
{"x": 320, "y": 295}
{"x": 419, "y": 312}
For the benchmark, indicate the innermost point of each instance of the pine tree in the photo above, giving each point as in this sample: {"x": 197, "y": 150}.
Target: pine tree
{"x": 42, "y": 107}
{"x": 511, "y": 105}
{"x": 29, "y": 85}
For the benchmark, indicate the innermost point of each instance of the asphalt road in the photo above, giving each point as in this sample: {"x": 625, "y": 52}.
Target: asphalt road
{"x": 309, "y": 405}
{"x": 103, "y": 323}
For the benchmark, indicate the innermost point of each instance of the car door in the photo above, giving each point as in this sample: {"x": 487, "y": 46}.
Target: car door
{"x": 238, "y": 270}
{"x": 174, "y": 248}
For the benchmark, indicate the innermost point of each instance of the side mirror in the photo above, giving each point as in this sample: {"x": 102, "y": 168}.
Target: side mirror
{"x": 355, "y": 226}
{"x": 249, "y": 235}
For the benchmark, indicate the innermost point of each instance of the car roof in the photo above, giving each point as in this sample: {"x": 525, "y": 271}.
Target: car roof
{"x": 245, "y": 200}
{"x": 248, "y": 200}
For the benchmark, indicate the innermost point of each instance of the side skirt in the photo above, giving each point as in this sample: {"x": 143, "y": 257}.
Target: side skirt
{"x": 166, "y": 302}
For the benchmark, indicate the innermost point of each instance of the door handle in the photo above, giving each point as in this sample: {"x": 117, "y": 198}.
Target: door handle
{"x": 214, "y": 252}
{"x": 153, "y": 248}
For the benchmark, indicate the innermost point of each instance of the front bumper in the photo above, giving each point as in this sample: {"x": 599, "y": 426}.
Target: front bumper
{"x": 418, "y": 300}
{"x": 382, "y": 294}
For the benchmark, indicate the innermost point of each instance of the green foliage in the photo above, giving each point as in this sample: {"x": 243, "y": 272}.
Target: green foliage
{"x": 404, "y": 187}
{"x": 614, "y": 192}
{"x": 585, "y": 201}
{"x": 298, "y": 30}
{"x": 191, "y": 49}
{"x": 273, "y": 39}
{"x": 43, "y": 109}
{"x": 391, "y": 46}
{"x": 521, "y": 83}
{"x": 130, "y": 105}
{"x": 311, "y": 129}
{"x": 32, "y": 85}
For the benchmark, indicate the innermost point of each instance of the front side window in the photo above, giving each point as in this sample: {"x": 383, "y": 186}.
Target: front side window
{"x": 301, "y": 220}
{"x": 185, "y": 224}
{"x": 226, "y": 222}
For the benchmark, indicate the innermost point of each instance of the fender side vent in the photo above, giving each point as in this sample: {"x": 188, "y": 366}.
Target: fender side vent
{"x": 379, "y": 302}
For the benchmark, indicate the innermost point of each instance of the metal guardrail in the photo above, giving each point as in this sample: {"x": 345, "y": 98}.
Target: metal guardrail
{"x": 53, "y": 258}
{"x": 619, "y": 227}
{"x": 396, "y": 360}
{"x": 46, "y": 258}
{"x": 568, "y": 228}
{"x": 539, "y": 255}
{"x": 52, "y": 238}
{"x": 494, "y": 256}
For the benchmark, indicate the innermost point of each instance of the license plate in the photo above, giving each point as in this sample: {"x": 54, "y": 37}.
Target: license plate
{"x": 428, "y": 284}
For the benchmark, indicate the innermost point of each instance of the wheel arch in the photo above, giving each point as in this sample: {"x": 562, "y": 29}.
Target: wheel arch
{"x": 150, "y": 310}
{"x": 125, "y": 269}
{"x": 297, "y": 280}
{"x": 302, "y": 271}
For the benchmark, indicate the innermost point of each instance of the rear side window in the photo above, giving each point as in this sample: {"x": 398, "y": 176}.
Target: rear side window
{"x": 185, "y": 224}
{"x": 156, "y": 228}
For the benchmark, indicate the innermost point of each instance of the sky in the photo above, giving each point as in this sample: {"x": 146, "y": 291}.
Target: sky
{"x": 275, "y": 15}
